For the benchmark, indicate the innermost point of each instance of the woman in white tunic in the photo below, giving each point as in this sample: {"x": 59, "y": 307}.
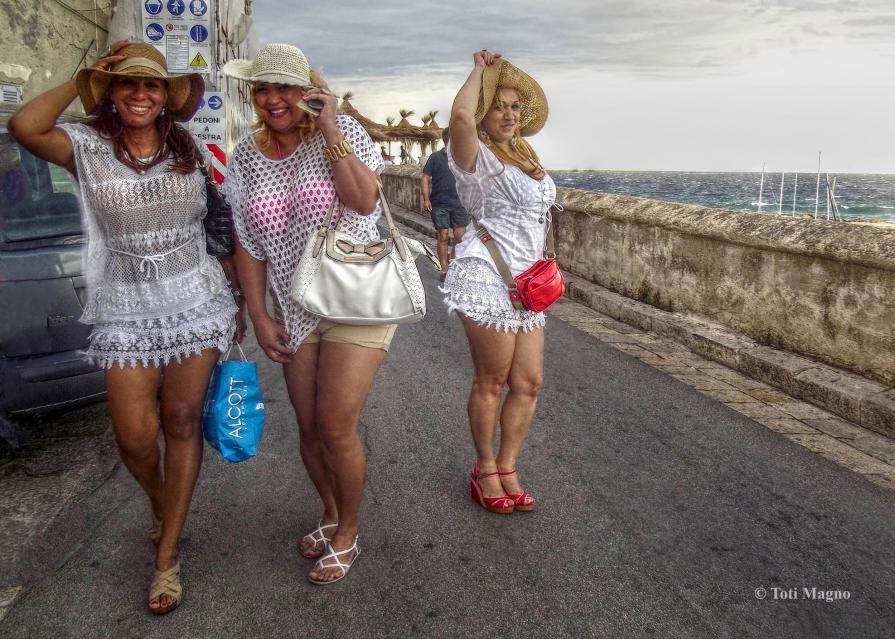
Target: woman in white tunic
{"x": 282, "y": 179}
{"x": 160, "y": 306}
{"x": 502, "y": 184}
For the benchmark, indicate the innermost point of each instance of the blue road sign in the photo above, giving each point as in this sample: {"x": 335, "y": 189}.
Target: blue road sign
{"x": 201, "y": 103}
{"x": 215, "y": 102}
{"x": 176, "y": 7}
{"x": 198, "y": 7}
{"x": 153, "y": 7}
{"x": 154, "y": 31}
{"x": 199, "y": 33}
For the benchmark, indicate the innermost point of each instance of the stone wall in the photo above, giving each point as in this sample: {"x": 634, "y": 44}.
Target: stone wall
{"x": 822, "y": 289}
{"x": 43, "y": 43}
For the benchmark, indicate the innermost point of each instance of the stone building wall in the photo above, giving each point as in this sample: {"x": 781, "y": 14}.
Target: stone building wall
{"x": 822, "y": 289}
{"x": 43, "y": 43}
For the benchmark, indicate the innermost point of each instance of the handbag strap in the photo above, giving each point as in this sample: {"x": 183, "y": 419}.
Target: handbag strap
{"x": 390, "y": 222}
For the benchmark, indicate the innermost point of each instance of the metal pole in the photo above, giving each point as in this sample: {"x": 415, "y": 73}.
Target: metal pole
{"x": 795, "y": 188}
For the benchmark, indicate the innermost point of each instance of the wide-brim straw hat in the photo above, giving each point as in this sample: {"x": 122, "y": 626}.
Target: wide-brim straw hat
{"x": 144, "y": 61}
{"x": 275, "y": 63}
{"x": 503, "y": 75}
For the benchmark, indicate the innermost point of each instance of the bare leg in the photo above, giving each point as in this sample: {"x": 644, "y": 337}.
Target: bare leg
{"x": 183, "y": 392}
{"x": 441, "y": 248}
{"x": 301, "y": 383}
{"x": 526, "y": 378}
{"x": 459, "y": 231}
{"x": 345, "y": 375}
{"x": 492, "y": 358}
{"x": 132, "y": 394}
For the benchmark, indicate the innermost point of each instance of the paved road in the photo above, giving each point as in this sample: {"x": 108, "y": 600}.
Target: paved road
{"x": 661, "y": 514}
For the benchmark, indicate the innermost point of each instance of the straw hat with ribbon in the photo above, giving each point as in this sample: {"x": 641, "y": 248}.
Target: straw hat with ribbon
{"x": 143, "y": 61}
{"x": 504, "y": 75}
{"x": 275, "y": 63}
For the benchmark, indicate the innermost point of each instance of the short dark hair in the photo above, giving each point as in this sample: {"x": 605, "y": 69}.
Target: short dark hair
{"x": 445, "y": 135}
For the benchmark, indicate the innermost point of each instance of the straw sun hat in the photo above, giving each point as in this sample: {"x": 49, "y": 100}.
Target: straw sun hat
{"x": 275, "y": 63}
{"x": 143, "y": 61}
{"x": 504, "y": 75}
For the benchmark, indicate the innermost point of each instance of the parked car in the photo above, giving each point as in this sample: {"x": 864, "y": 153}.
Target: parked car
{"x": 41, "y": 288}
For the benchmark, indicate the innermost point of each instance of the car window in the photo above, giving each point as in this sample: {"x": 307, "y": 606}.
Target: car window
{"x": 37, "y": 199}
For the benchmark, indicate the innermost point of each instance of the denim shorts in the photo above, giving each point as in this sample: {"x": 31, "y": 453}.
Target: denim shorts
{"x": 446, "y": 218}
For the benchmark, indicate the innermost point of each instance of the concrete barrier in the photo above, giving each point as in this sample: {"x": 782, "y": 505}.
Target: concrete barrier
{"x": 821, "y": 289}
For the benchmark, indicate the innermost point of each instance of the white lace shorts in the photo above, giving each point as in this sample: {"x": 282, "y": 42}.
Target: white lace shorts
{"x": 473, "y": 288}
{"x": 158, "y": 341}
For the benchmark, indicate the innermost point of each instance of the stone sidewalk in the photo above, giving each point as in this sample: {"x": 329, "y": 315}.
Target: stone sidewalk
{"x": 863, "y": 450}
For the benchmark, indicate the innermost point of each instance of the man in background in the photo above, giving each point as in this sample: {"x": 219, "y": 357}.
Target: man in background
{"x": 440, "y": 198}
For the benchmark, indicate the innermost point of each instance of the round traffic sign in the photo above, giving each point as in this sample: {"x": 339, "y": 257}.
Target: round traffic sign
{"x": 198, "y": 7}
{"x": 199, "y": 33}
{"x": 154, "y": 31}
{"x": 176, "y": 7}
{"x": 153, "y": 7}
{"x": 215, "y": 102}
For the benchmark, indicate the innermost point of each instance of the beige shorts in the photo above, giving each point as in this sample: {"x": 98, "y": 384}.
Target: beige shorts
{"x": 375, "y": 336}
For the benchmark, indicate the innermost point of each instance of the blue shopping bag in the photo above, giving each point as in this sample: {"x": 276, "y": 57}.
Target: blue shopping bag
{"x": 233, "y": 418}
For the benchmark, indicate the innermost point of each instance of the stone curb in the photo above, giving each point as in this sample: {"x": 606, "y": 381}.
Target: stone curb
{"x": 853, "y": 397}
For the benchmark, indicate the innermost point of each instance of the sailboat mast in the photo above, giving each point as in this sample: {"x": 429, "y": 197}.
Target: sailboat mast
{"x": 780, "y": 203}
{"x": 761, "y": 188}
{"x": 817, "y": 192}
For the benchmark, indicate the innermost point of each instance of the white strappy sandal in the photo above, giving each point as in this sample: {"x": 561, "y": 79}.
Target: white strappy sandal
{"x": 317, "y": 536}
{"x": 335, "y": 563}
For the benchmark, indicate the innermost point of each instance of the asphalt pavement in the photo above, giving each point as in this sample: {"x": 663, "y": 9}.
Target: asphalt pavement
{"x": 661, "y": 512}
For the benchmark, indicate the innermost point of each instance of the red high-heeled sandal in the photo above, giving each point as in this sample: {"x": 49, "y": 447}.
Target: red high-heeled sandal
{"x": 502, "y": 505}
{"x": 523, "y": 501}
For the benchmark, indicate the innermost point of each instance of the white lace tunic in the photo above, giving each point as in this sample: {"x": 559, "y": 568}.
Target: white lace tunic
{"x": 515, "y": 209}
{"x": 153, "y": 293}
{"x": 279, "y": 204}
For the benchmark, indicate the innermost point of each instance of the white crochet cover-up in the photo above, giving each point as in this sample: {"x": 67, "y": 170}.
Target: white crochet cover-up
{"x": 515, "y": 209}
{"x": 279, "y": 204}
{"x": 153, "y": 293}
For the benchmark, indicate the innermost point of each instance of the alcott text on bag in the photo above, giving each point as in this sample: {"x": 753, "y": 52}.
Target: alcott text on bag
{"x": 233, "y": 419}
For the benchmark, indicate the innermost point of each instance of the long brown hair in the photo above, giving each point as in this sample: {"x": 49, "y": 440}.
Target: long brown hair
{"x": 177, "y": 144}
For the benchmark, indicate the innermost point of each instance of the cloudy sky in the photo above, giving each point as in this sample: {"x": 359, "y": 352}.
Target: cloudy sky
{"x": 712, "y": 85}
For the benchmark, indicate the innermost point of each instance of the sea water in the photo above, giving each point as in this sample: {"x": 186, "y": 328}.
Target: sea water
{"x": 864, "y": 197}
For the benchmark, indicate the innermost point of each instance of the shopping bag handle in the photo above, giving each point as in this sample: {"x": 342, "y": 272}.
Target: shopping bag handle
{"x": 241, "y": 352}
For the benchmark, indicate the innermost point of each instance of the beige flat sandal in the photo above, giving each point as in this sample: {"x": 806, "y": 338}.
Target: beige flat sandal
{"x": 166, "y": 582}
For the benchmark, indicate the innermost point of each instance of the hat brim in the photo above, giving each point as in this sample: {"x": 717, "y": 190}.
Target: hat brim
{"x": 241, "y": 69}
{"x": 503, "y": 75}
{"x": 184, "y": 91}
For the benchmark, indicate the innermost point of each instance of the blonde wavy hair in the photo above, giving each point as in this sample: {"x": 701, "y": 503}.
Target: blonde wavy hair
{"x": 306, "y": 129}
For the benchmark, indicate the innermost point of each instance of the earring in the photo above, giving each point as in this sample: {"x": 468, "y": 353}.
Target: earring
{"x": 164, "y": 111}
{"x": 114, "y": 109}
{"x": 486, "y": 139}
{"x": 513, "y": 140}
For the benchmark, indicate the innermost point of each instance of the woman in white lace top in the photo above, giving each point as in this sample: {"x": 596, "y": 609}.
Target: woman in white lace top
{"x": 282, "y": 180}
{"x": 160, "y": 307}
{"x": 502, "y": 184}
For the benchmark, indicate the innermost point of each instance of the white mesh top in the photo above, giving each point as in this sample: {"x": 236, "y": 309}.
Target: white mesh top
{"x": 278, "y": 204}
{"x": 145, "y": 256}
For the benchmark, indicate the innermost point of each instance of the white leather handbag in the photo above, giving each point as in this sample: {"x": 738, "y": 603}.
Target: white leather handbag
{"x": 370, "y": 283}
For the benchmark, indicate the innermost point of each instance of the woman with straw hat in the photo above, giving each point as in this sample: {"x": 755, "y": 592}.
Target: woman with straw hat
{"x": 502, "y": 184}
{"x": 282, "y": 179}
{"x": 160, "y": 305}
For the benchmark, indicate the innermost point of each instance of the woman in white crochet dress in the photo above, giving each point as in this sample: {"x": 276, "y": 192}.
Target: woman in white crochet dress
{"x": 281, "y": 181}
{"x": 502, "y": 184}
{"x": 160, "y": 305}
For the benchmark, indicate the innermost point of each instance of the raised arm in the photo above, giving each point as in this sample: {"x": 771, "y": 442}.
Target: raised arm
{"x": 34, "y": 125}
{"x": 464, "y": 137}
{"x": 355, "y": 182}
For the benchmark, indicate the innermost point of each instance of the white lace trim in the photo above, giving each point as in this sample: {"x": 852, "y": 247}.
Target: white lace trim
{"x": 473, "y": 288}
{"x": 158, "y": 341}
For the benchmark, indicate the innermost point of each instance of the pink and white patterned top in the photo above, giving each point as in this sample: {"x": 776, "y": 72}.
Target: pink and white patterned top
{"x": 279, "y": 204}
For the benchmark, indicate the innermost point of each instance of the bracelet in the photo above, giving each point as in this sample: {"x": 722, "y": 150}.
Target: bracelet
{"x": 236, "y": 293}
{"x": 338, "y": 151}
